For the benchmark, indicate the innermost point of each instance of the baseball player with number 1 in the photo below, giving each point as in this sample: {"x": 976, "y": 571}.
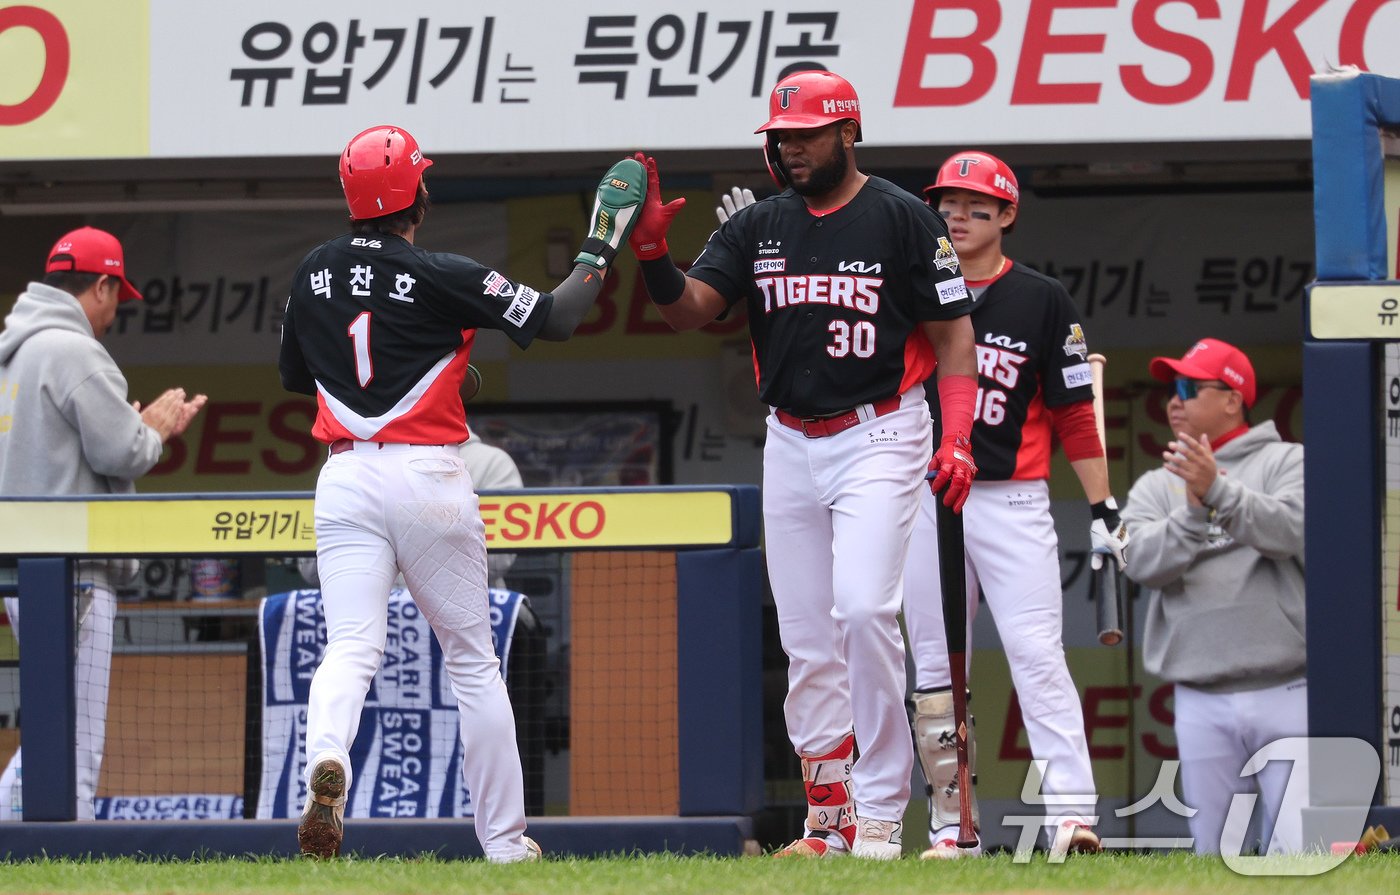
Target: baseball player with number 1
{"x": 853, "y": 294}
{"x": 1034, "y": 382}
{"x": 380, "y": 332}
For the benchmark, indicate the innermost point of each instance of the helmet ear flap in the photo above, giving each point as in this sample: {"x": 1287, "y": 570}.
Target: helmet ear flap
{"x": 776, "y": 169}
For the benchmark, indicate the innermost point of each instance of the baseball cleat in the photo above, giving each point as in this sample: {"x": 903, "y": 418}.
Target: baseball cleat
{"x": 532, "y": 852}
{"x": 945, "y": 847}
{"x": 816, "y": 844}
{"x": 879, "y": 840}
{"x": 1075, "y": 837}
{"x": 323, "y": 820}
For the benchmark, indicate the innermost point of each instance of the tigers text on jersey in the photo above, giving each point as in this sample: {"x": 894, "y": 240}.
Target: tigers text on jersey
{"x": 1031, "y": 355}
{"x": 381, "y": 330}
{"x": 835, "y": 301}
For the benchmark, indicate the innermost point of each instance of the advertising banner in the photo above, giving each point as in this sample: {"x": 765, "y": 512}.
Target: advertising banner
{"x": 269, "y": 78}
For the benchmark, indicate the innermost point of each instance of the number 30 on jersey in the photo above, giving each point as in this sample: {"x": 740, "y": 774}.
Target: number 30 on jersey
{"x": 851, "y": 338}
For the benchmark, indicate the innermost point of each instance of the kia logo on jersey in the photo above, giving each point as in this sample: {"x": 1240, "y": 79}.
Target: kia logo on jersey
{"x": 858, "y": 267}
{"x": 1003, "y": 341}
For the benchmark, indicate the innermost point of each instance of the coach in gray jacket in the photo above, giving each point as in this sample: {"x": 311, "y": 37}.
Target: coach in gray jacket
{"x": 1218, "y": 546}
{"x": 66, "y": 429}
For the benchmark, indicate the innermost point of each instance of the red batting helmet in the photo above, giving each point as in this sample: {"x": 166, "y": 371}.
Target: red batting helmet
{"x": 380, "y": 170}
{"x": 812, "y": 99}
{"x": 979, "y": 172}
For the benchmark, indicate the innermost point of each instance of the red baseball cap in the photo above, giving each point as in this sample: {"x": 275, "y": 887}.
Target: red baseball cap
{"x": 89, "y": 250}
{"x": 1210, "y": 359}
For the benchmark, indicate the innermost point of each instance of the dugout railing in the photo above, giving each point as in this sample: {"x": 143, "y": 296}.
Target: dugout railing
{"x": 709, "y": 536}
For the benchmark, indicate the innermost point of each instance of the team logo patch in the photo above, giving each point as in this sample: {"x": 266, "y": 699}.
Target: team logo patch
{"x": 945, "y": 258}
{"x": 953, "y": 290}
{"x": 770, "y": 265}
{"x": 520, "y": 308}
{"x": 1077, "y": 375}
{"x": 495, "y": 284}
{"x": 1075, "y": 344}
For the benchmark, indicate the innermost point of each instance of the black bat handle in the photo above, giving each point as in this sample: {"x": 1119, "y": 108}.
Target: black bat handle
{"x": 952, "y": 565}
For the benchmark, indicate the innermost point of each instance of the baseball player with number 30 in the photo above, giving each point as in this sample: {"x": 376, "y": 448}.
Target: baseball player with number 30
{"x": 853, "y": 294}
{"x": 380, "y": 332}
{"x": 1034, "y": 381}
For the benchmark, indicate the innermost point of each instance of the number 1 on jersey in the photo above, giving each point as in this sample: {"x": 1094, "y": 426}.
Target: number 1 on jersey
{"x": 359, "y": 334}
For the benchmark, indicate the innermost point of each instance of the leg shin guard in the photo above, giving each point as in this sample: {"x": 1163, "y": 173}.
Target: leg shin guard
{"x": 827, "y": 780}
{"x": 934, "y": 740}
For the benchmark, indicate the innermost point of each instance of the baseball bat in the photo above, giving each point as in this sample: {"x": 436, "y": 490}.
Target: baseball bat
{"x": 952, "y": 567}
{"x": 1104, "y": 587}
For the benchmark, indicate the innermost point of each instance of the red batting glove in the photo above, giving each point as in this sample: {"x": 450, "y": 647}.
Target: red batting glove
{"x": 648, "y": 238}
{"x": 952, "y": 466}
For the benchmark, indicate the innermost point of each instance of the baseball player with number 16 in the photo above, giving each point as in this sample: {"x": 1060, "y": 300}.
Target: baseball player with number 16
{"x": 1033, "y": 382}
{"x": 380, "y": 332}
{"x": 854, "y": 294}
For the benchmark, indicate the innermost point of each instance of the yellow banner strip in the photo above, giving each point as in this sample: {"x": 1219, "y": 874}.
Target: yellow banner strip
{"x": 516, "y": 521}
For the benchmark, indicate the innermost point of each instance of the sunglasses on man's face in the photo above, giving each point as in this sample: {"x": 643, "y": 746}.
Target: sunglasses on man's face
{"x": 1186, "y": 389}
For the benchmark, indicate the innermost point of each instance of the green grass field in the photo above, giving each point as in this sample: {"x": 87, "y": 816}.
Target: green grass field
{"x": 1360, "y": 875}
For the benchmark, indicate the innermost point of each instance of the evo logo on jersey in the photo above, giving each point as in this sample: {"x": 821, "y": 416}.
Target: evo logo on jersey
{"x": 364, "y": 242}
{"x": 770, "y": 265}
{"x": 856, "y": 293}
{"x": 519, "y": 310}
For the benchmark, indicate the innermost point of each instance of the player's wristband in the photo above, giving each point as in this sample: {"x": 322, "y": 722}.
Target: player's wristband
{"x": 1107, "y": 510}
{"x": 664, "y": 281}
{"x": 957, "y": 396}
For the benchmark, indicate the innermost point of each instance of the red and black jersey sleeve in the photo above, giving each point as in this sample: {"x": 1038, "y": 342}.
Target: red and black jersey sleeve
{"x": 381, "y": 331}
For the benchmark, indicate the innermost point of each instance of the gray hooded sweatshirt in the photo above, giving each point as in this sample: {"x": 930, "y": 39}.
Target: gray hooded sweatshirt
{"x": 65, "y": 424}
{"x": 1225, "y": 602}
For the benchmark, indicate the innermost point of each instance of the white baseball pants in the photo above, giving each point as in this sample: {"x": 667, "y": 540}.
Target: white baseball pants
{"x": 411, "y": 509}
{"x": 1013, "y": 554}
{"x": 837, "y": 513}
{"x": 1216, "y": 734}
{"x": 97, "y": 607}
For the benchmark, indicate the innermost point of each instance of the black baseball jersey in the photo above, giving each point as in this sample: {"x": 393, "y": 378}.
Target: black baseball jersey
{"x": 835, "y": 299}
{"x": 1031, "y": 356}
{"x": 381, "y": 330}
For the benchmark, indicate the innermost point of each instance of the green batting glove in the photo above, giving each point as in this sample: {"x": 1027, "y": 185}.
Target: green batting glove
{"x": 615, "y": 212}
